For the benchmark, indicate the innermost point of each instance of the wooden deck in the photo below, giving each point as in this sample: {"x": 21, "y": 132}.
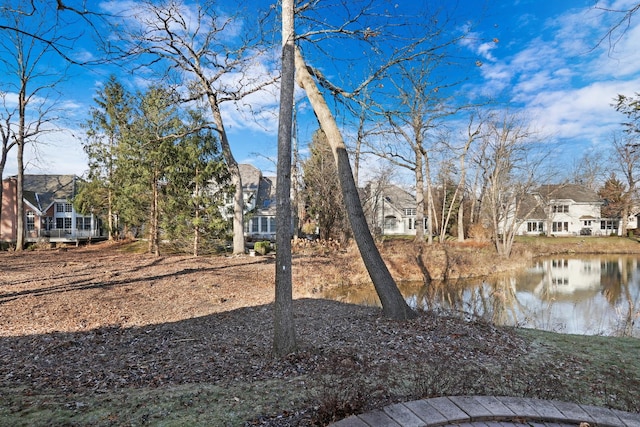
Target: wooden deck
{"x": 489, "y": 411}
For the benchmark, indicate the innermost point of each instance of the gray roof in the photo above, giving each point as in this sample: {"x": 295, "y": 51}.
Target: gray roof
{"x": 530, "y": 208}
{"x": 399, "y": 198}
{"x": 250, "y": 176}
{"x": 577, "y": 193}
{"x": 266, "y": 200}
{"x": 42, "y": 190}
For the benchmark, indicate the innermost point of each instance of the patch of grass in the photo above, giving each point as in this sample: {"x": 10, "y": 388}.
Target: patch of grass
{"x": 610, "y": 364}
{"x": 134, "y": 247}
{"x": 185, "y": 405}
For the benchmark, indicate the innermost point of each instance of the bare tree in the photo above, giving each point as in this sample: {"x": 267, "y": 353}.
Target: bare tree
{"x": 7, "y": 133}
{"x": 195, "y": 42}
{"x": 626, "y": 160}
{"x": 510, "y": 165}
{"x": 32, "y": 80}
{"x": 620, "y": 26}
{"x": 284, "y": 340}
{"x": 25, "y": 18}
{"x": 588, "y": 170}
{"x": 472, "y": 133}
{"x": 419, "y": 101}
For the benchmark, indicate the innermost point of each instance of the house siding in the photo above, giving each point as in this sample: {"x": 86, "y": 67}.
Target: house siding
{"x": 562, "y": 215}
{"x": 42, "y": 194}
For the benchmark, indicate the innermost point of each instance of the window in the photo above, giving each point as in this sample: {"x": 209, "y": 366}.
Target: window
{"x": 67, "y": 223}
{"x": 560, "y": 208}
{"x": 59, "y": 223}
{"x": 272, "y": 224}
{"x": 535, "y": 227}
{"x": 83, "y": 223}
{"x": 609, "y": 225}
{"x": 390, "y": 223}
{"x": 410, "y": 212}
{"x": 264, "y": 225}
{"x": 254, "y": 225}
{"x": 31, "y": 221}
{"x": 587, "y": 223}
{"x": 59, "y": 207}
{"x": 559, "y": 227}
{"x": 68, "y": 207}
{"x": 557, "y": 263}
{"x": 412, "y": 223}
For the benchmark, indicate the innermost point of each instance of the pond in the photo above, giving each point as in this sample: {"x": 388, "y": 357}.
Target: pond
{"x": 587, "y": 295}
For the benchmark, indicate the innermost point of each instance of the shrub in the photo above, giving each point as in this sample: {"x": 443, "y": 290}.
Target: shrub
{"x": 263, "y": 247}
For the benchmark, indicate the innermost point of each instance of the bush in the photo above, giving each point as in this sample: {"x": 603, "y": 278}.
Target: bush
{"x": 263, "y": 247}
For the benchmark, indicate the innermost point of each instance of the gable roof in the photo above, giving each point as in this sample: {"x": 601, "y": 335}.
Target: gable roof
{"x": 250, "y": 176}
{"x": 266, "y": 199}
{"x": 577, "y": 193}
{"x": 398, "y": 197}
{"x": 530, "y": 208}
{"x": 42, "y": 190}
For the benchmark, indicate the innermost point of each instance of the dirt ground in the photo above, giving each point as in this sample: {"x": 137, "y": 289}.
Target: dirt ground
{"x": 100, "y": 319}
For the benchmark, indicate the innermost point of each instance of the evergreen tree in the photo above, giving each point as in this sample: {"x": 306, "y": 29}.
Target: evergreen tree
{"x": 148, "y": 152}
{"x": 322, "y": 190}
{"x": 105, "y": 129}
{"x": 615, "y": 197}
{"x": 191, "y": 216}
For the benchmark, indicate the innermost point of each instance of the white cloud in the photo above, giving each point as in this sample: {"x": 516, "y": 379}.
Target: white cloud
{"x": 564, "y": 80}
{"x": 58, "y": 152}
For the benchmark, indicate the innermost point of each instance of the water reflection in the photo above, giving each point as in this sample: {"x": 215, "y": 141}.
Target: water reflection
{"x": 596, "y": 295}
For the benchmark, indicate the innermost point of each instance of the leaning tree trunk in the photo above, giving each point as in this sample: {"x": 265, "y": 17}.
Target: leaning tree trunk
{"x": 393, "y": 304}
{"x": 284, "y": 338}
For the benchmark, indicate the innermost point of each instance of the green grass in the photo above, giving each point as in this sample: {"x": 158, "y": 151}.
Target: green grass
{"x": 185, "y": 405}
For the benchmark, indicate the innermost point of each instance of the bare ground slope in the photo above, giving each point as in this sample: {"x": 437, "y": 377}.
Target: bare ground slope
{"x": 100, "y": 336}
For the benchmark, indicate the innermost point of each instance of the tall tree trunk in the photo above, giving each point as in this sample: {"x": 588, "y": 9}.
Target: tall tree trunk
{"x": 284, "y": 339}
{"x": 154, "y": 229}
{"x": 234, "y": 171}
{"x": 419, "y": 176}
{"x": 430, "y": 206}
{"x": 196, "y": 220}
{"x": 393, "y": 304}
{"x": 110, "y": 213}
{"x": 461, "y": 219}
{"x": 110, "y": 222}
{"x": 20, "y": 198}
{"x": 22, "y": 105}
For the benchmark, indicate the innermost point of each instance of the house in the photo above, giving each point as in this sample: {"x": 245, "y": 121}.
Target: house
{"x": 259, "y": 195}
{"x": 49, "y": 213}
{"x": 564, "y": 210}
{"x": 390, "y": 210}
{"x": 260, "y": 204}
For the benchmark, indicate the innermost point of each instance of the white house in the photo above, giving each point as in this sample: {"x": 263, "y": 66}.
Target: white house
{"x": 391, "y": 211}
{"x": 564, "y": 210}
{"x": 259, "y": 194}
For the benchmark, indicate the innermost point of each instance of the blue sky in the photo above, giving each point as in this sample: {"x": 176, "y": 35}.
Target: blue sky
{"x": 538, "y": 56}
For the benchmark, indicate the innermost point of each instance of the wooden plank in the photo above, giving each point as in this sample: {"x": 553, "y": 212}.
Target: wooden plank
{"x": 426, "y": 412}
{"x": 403, "y": 415}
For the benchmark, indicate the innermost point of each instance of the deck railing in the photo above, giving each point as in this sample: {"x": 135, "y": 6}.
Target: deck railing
{"x": 64, "y": 234}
